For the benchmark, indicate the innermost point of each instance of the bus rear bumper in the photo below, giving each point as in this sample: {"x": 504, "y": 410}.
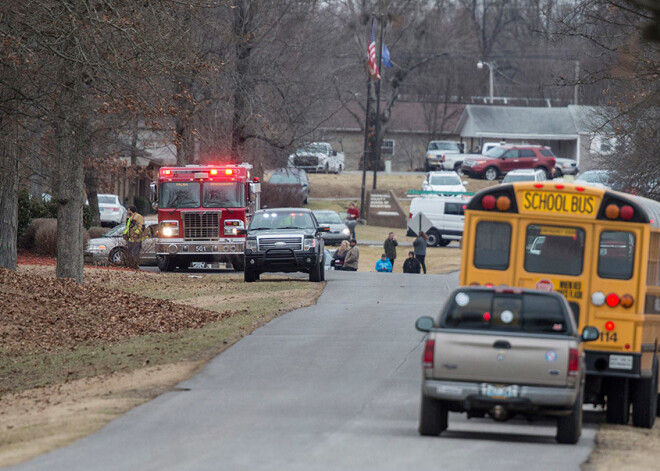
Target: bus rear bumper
{"x": 624, "y": 365}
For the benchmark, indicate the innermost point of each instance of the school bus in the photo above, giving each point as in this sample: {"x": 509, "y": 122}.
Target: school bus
{"x": 601, "y": 250}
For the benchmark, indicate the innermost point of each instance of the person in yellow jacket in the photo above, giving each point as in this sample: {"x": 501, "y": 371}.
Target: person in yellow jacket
{"x": 134, "y": 234}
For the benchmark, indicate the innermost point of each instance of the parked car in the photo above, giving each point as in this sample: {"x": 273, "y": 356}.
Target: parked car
{"x": 500, "y": 160}
{"x": 284, "y": 240}
{"x": 444, "y": 181}
{"x": 443, "y": 155}
{"x": 524, "y": 175}
{"x": 338, "y": 230}
{"x": 111, "y": 210}
{"x": 565, "y": 166}
{"x": 442, "y": 218}
{"x": 292, "y": 176}
{"x": 504, "y": 352}
{"x": 111, "y": 247}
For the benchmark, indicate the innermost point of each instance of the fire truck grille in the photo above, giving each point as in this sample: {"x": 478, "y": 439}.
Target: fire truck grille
{"x": 293, "y": 243}
{"x": 201, "y": 226}
{"x": 305, "y": 160}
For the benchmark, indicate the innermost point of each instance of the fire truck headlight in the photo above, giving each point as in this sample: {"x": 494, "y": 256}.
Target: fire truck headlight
{"x": 169, "y": 229}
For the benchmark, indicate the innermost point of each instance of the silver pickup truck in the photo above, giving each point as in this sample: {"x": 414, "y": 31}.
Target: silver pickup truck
{"x": 503, "y": 352}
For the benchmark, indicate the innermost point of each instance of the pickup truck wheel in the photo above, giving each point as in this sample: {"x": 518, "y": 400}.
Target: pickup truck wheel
{"x": 491, "y": 174}
{"x": 432, "y": 416}
{"x": 644, "y": 399}
{"x": 238, "y": 263}
{"x": 569, "y": 428}
{"x": 434, "y": 238}
{"x": 165, "y": 263}
{"x": 315, "y": 273}
{"x": 617, "y": 410}
{"x": 443, "y": 242}
{"x": 322, "y": 268}
{"x": 249, "y": 276}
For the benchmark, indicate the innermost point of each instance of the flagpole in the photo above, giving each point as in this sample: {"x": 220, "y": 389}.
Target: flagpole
{"x": 376, "y": 160}
{"x": 366, "y": 147}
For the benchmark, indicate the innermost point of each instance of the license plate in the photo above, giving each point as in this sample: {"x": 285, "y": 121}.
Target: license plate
{"x": 198, "y": 265}
{"x": 202, "y": 248}
{"x": 498, "y": 391}
{"x": 621, "y": 362}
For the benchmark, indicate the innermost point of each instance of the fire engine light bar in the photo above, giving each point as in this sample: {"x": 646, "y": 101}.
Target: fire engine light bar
{"x": 214, "y": 171}
{"x": 229, "y": 171}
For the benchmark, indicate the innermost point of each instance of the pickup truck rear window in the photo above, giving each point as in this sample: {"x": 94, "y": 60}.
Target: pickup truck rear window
{"x": 489, "y": 311}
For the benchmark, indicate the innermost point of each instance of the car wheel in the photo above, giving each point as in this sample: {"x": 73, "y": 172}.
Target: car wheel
{"x": 491, "y": 174}
{"x": 434, "y": 238}
{"x": 165, "y": 263}
{"x": 569, "y": 428}
{"x": 558, "y": 172}
{"x": 315, "y": 273}
{"x": 238, "y": 263}
{"x": 545, "y": 171}
{"x": 644, "y": 399}
{"x": 117, "y": 256}
{"x": 443, "y": 242}
{"x": 433, "y": 415}
{"x": 249, "y": 276}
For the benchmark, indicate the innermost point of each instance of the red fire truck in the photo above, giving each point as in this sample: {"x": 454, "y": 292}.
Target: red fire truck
{"x": 200, "y": 209}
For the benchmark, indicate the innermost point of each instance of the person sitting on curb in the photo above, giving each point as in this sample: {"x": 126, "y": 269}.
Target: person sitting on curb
{"x": 411, "y": 265}
{"x": 352, "y": 257}
{"x": 384, "y": 264}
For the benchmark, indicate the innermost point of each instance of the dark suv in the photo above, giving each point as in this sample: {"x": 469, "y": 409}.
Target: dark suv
{"x": 284, "y": 240}
{"x": 499, "y": 160}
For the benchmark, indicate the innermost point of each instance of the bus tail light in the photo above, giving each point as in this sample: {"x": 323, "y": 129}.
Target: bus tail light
{"x": 627, "y": 212}
{"x": 573, "y": 362}
{"x": 488, "y": 202}
{"x": 429, "y": 349}
{"x": 598, "y": 298}
{"x": 503, "y": 203}
{"x": 612, "y": 300}
{"x": 612, "y": 211}
{"x": 627, "y": 300}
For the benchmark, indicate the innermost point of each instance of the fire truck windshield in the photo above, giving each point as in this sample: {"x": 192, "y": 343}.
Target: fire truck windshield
{"x": 179, "y": 195}
{"x": 223, "y": 195}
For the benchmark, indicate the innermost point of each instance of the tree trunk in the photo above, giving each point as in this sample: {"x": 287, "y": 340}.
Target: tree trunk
{"x": 8, "y": 195}
{"x": 92, "y": 187}
{"x": 132, "y": 182}
{"x": 70, "y": 196}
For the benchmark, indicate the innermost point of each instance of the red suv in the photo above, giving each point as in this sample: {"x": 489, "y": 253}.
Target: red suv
{"x": 499, "y": 160}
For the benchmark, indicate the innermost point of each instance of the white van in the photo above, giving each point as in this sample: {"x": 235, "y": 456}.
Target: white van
{"x": 441, "y": 217}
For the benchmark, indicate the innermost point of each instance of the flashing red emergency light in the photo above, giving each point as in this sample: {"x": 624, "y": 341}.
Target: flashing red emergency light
{"x": 167, "y": 171}
{"x": 612, "y": 300}
{"x": 609, "y": 325}
{"x": 214, "y": 171}
{"x": 228, "y": 171}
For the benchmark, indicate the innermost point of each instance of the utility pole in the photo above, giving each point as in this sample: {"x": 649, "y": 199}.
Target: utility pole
{"x": 577, "y": 81}
{"x": 366, "y": 146}
{"x": 376, "y": 160}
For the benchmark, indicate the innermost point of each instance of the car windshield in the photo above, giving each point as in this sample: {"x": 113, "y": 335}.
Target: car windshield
{"x": 518, "y": 178}
{"x": 284, "y": 179}
{"x": 107, "y": 199}
{"x": 444, "y": 180}
{"x": 495, "y": 152}
{"x": 282, "y": 220}
{"x": 223, "y": 195}
{"x": 312, "y": 148}
{"x": 594, "y": 176}
{"x": 444, "y": 146}
{"x": 328, "y": 218}
{"x": 174, "y": 195}
{"x": 115, "y": 231}
{"x": 510, "y": 312}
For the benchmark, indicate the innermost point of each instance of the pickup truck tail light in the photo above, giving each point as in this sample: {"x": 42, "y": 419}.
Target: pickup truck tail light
{"x": 428, "y": 354}
{"x": 573, "y": 362}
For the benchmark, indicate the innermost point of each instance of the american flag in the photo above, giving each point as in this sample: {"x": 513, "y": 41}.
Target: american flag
{"x": 373, "y": 68}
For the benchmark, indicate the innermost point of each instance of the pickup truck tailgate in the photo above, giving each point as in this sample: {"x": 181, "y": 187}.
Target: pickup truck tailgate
{"x": 501, "y": 358}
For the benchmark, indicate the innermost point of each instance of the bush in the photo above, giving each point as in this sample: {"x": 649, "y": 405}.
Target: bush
{"x": 27, "y": 239}
{"x": 45, "y": 236}
{"x": 281, "y": 196}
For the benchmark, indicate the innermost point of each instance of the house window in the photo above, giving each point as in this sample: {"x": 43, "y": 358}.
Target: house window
{"x": 388, "y": 147}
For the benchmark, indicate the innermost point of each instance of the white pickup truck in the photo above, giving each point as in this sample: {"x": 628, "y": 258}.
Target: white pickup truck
{"x": 504, "y": 352}
{"x": 317, "y": 157}
{"x": 443, "y": 155}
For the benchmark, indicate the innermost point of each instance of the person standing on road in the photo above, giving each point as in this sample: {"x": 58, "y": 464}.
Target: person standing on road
{"x": 390, "y": 245}
{"x": 352, "y": 216}
{"x": 411, "y": 265}
{"x": 134, "y": 234}
{"x": 419, "y": 245}
{"x": 384, "y": 264}
{"x": 352, "y": 257}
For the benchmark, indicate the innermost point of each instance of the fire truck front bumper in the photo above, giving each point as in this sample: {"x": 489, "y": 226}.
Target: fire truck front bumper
{"x": 197, "y": 248}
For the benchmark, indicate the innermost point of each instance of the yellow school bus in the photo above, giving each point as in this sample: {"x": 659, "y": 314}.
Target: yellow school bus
{"x": 601, "y": 250}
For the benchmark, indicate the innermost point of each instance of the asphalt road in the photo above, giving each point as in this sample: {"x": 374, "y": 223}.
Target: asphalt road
{"x": 334, "y": 386}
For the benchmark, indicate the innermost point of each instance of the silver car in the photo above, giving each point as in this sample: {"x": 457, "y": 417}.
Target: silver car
{"x": 338, "y": 229}
{"x": 111, "y": 248}
{"x": 565, "y": 166}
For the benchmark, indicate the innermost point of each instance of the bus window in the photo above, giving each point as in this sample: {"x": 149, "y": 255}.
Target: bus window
{"x": 493, "y": 245}
{"x": 616, "y": 254}
{"x": 557, "y": 250}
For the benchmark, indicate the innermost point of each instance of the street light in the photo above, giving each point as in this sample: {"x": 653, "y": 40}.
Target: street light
{"x": 480, "y": 65}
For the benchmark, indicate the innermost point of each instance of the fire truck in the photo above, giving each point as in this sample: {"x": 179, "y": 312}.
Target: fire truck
{"x": 200, "y": 211}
